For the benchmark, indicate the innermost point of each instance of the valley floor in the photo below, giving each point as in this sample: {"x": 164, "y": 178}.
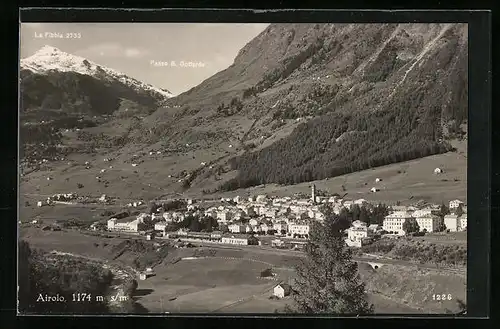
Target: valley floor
{"x": 226, "y": 279}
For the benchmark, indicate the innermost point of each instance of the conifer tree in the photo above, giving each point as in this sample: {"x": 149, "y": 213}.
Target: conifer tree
{"x": 327, "y": 280}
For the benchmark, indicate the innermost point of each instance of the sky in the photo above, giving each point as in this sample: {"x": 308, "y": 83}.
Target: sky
{"x": 137, "y": 49}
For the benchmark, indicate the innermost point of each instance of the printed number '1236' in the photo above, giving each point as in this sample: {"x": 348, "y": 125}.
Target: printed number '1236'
{"x": 442, "y": 297}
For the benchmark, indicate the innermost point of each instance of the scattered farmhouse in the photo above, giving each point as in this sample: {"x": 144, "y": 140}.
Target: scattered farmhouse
{"x": 438, "y": 171}
{"x": 282, "y": 290}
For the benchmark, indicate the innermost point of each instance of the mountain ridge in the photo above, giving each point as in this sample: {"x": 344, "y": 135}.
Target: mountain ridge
{"x": 50, "y": 58}
{"x": 295, "y": 92}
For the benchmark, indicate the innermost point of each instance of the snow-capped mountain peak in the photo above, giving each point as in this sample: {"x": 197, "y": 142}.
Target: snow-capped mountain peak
{"x": 50, "y": 58}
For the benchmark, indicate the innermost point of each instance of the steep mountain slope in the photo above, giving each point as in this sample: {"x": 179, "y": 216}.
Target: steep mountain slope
{"x": 362, "y": 95}
{"x": 300, "y": 102}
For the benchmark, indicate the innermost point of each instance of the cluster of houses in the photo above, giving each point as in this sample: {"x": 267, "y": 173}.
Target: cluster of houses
{"x": 290, "y": 217}
{"x": 428, "y": 220}
{"x": 67, "y": 197}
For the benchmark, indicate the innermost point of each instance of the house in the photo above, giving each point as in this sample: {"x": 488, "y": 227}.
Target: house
{"x": 378, "y": 180}
{"x": 333, "y": 199}
{"x": 360, "y": 202}
{"x": 236, "y": 241}
{"x": 425, "y": 212}
{"x": 39, "y": 204}
{"x": 236, "y": 228}
{"x": 455, "y": 204}
{"x": 374, "y": 190}
{"x": 358, "y": 233}
{"x": 319, "y": 216}
{"x": 254, "y": 222}
{"x": 143, "y": 216}
{"x": 149, "y": 236}
{"x": 394, "y": 222}
{"x": 160, "y": 226}
{"x": 358, "y": 223}
{"x": 224, "y": 215}
{"x": 451, "y": 222}
{"x": 280, "y": 226}
{"x": 348, "y": 204}
{"x": 399, "y": 208}
{"x": 375, "y": 227}
{"x": 128, "y": 224}
{"x": 282, "y": 290}
{"x": 428, "y": 222}
{"x": 261, "y": 198}
{"x": 438, "y": 171}
{"x": 300, "y": 229}
{"x": 463, "y": 222}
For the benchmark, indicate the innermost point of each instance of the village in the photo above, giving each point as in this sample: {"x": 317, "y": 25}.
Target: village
{"x": 283, "y": 222}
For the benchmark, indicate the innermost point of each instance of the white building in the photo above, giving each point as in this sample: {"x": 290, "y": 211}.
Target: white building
{"x": 357, "y": 233}
{"x": 280, "y": 226}
{"x": 264, "y": 227}
{"x": 394, "y": 222}
{"x": 143, "y": 216}
{"x": 224, "y": 215}
{"x": 261, "y": 198}
{"x": 463, "y": 222}
{"x": 455, "y": 204}
{"x": 168, "y": 217}
{"x": 126, "y": 224}
{"x": 300, "y": 229}
{"x": 425, "y": 212}
{"x": 451, "y": 222}
{"x": 333, "y": 199}
{"x": 254, "y": 222}
{"x": 375, "y": 228}
{"x": 348, "y": 204}
{"x": 361, "y": 202}
{"x": 438, "y": 171}
{"x": 428, "y": 222}
{"x": 374, "y": 190}
{"x": 237, "y": 241}
{"x": 160, "y": 226}
{"x": 282, "y": 290}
